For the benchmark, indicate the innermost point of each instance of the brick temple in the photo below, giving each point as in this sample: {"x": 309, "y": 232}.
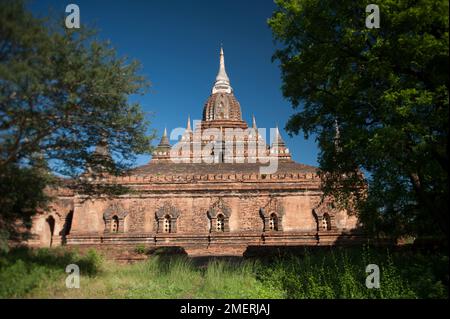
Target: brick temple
{"x": 204, "y": 195}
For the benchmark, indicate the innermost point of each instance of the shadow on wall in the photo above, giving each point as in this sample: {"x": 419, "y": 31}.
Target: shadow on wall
{"x": 167, "y": 254}
{"x": 50, "y": 225}
{"x": 167, "y": 251}
{"x": 66, "y": 228}
{"x": 351, "y": 238}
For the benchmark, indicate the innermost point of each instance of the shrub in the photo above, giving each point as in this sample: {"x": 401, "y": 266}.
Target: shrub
{"x": 140, "y": 249}
{"x": 91, "y": 263}
{"x": 23, "y": 269}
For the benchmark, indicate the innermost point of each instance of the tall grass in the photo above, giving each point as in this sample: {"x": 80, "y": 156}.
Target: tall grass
{"x": 333, "y": 273}
{"x": 23, "y": 270}
{"x": 336, "y": 274}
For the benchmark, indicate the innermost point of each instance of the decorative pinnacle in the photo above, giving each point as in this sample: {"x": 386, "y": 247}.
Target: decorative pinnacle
{"x": 188, "y": 126}
{"x": 278, "y": 139}
{"x": 222, "y": 83}
{"x": 254, "y": 122}
{"x": 164, "y": 139}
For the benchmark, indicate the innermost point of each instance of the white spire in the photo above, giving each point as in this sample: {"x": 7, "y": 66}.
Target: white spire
{"x": 222, "y": 75}
{"x": 188, "y": 126}
{"x": 222, "y": 83}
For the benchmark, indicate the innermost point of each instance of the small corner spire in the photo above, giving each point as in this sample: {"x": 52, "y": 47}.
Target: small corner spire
{"x": 278, "y": 139}
{"x": 254, "y": 122}
{"x": 278, "y": 147}
{"x": 188, "y": 126}
{"x": 164, "y": 139}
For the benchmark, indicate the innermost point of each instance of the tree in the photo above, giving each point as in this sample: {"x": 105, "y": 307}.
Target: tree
{"x": 62, "y": 93}
{"x": 377, "y": 100}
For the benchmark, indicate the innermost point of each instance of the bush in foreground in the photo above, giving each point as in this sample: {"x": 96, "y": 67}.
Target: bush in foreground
{"x": 23, "y": 270}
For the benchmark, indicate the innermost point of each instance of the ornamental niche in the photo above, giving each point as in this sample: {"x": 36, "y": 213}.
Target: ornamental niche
{"x": 219, "y": 215}
{"x": 114, "y": 217}
{"x": 325, "y": 214}
{"x": 272, "y": 214}
{"x": 166, "y": 218}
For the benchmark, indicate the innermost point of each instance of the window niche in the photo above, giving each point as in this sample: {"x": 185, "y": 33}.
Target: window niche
{"x": 166, "y": 219}
{"x": 273, "y": 222}
{"x": 114, "y": 217}
{"x": 220, "y": 223}
{"x": 167, "y": 226}
{"x": 115, "y": 224}
{"x": 219, "y": 216}
{"x": 325, "y": 217}
{"x": 326, "y": 222}
{"x": 272, "y": 215}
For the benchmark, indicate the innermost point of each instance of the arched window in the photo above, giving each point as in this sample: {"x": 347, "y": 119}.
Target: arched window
{"x": 115, "y": 224}
{"x": 166, "y": 219}
{"x": 220, "y": 223}
{"x": 273, "y": 222}
{"x": 326, "y": 225}
{"x": 167, "y": 226}
{"x": 51, "y": 227}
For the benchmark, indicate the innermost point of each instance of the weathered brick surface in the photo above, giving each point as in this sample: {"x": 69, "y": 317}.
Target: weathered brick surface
{"x": 193, "y": 225}
{"x": 211, "y": 209}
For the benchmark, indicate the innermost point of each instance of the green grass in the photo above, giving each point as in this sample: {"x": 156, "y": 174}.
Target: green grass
{"x": 330, "y": 273}
{"x": 23, "y": 271}
{"x": 340, "y": 273}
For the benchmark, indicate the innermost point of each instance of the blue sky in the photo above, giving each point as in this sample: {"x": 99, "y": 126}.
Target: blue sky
{"x": 178, "y": 44}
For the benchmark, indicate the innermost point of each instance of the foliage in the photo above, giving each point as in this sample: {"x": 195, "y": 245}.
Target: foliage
{"x": 23, "y": 270}
{"x": 316, "y": 273}
{"x": 377, "y": 100}
{"x": 140, "y": 249}
{"x": 64, "y": 108}
{"x": 22, "y": 189}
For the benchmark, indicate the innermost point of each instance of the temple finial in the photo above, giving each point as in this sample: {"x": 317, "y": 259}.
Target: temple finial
{"x": 222, "y": 83}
